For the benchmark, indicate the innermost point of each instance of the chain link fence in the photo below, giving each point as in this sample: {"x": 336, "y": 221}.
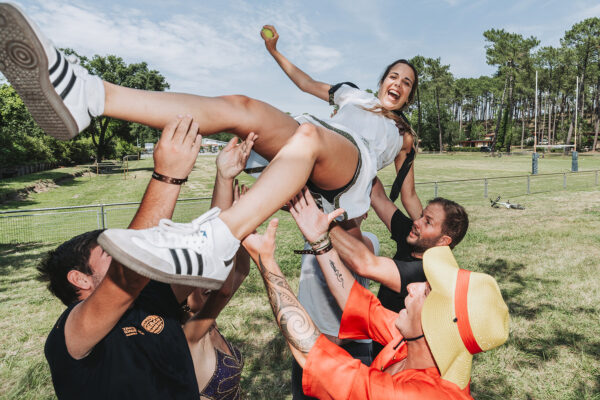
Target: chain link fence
{"x": 52, "y": 225}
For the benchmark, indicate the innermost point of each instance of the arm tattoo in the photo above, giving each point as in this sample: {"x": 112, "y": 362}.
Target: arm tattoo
{"x": 295, "y": 324}
{"x": 338, "y": 274}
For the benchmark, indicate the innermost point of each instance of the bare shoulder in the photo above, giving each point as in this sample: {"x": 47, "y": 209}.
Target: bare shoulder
{"x": 408, "y": 141}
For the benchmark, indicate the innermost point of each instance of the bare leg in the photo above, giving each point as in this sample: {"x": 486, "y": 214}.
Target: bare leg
{"x": 236, "y": 114}
{"x": 297, "y": 153}
{"x": 325, "y": 157}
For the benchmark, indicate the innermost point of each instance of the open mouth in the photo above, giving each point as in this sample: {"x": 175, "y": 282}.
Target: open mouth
{"x": 393, "y": 94}
{"x": 414, "y": 232}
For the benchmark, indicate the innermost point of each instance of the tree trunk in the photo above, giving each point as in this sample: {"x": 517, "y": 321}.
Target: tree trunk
{"x": 597, "y": 109}
{"x": 418, "y": 116}
{"x": 562, "y": 112}
{"x": 507, "y": 128}
{"x": 522, "y": 124}
{"x": 439, "y": 121}
{"x": 497, "y": 130}
{"x": 554, "y": 120}
{"x": 596, "y": 133}
{"x": 597, "y": 114}
{"x": 459, "y": 120}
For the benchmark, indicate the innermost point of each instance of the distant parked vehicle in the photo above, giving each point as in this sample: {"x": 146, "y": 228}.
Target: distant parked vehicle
{"x": 485, "y": 149}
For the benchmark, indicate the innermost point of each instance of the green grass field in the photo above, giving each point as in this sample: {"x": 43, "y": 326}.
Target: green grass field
{"x": 545, "y": 259}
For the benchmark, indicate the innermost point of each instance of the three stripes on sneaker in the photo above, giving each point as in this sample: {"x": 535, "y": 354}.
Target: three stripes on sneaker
{"x": 58, "y": 72}
{"x": 187, "y": 262}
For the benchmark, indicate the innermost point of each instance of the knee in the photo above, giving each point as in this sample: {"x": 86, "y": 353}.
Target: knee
{"x": 307, "y": 134}
{"x": 238, "y": 101}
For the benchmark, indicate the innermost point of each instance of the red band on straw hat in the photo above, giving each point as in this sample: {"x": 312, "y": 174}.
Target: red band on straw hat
{"x": 462, "y": 312}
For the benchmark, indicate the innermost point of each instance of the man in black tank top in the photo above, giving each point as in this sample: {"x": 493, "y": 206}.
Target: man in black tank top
{"x": 443, "y": 223}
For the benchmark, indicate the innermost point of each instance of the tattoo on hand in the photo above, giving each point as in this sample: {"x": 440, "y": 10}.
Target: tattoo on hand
{"x": 338, "y": 274}
{"x": 295, "y": 324}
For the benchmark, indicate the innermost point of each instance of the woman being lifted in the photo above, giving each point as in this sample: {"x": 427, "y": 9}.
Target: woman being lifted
{"x": 340, "y": 157}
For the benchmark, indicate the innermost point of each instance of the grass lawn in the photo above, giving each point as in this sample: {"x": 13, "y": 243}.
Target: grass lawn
{"x": 544, "y": 257}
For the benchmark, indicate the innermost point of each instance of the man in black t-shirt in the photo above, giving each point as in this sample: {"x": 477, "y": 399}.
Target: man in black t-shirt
{"x": 443, "y": 223}
{"x": 121, "y": 336}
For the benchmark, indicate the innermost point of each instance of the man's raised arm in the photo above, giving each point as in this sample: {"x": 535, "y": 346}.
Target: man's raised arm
{"x": 360, "y": 259}
{"x": 349, "y": 252}
{"x": 295, "y": 324}
{"x": 94, "y": 317}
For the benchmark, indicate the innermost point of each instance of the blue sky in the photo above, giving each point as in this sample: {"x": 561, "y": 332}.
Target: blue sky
{"x": 214, "y": 47}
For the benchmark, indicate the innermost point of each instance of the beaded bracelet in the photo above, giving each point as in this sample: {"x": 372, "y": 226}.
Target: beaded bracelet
{"x": 168, "y": 179}
{"x": 317, "y": 252}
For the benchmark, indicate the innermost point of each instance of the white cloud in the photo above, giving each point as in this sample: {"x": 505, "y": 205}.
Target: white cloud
{"x": 322, "y": 58}
{"x": 199, "y": 51}
{"x": 585, "y": 11}
{"x": 368, "y": 16}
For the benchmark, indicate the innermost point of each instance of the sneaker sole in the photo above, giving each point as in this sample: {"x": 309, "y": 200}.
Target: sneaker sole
{"x": 142, "y": 268}
{"x": 24, "y": 63}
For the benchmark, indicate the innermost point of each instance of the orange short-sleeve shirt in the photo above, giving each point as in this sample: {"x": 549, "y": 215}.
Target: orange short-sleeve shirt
{"x": 331, "y": 373}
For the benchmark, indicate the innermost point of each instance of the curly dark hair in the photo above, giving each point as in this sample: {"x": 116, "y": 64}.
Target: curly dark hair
{"x": 74, "y": 254}
{"x": 456, "y": 221}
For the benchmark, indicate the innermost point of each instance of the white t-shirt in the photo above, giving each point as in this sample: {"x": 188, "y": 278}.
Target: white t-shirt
{"x": 380, "y": 134}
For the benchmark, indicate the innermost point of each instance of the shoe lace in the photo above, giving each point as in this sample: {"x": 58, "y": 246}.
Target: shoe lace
{"x": 182, "y": 234}
{"x": 72, "y": 59}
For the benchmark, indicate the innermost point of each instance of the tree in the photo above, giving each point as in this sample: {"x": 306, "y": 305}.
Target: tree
{"x": 439, "y": 83}
{"x": 584, "y": 39}
{"x": 511, "y": 53}
{"x": 103, "y": 130}
{"x": 419, "y": 63}
{"x": 22, "y": 141}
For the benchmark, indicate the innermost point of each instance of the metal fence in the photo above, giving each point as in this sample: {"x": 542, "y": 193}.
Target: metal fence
{"x": 58, "y": 224}
{"x": 62, "y": 223}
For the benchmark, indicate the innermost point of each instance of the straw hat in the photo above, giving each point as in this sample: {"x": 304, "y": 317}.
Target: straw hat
{"x": 463, "y": 314}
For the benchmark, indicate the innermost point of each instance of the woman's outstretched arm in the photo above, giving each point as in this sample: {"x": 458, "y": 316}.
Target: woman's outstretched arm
{"x": 299, "y": 77}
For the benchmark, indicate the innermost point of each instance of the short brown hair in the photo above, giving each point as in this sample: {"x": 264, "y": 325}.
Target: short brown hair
{"x": 74, "y": 254}
{"x": 456, "y": 221}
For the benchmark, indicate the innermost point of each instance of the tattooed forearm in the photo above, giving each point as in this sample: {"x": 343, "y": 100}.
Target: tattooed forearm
{"x": 338, "y": 274}
{"x": 293, "y": 320}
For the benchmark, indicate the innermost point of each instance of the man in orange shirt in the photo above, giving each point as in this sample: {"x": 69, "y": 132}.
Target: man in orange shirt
{"x": 429, "y": 345}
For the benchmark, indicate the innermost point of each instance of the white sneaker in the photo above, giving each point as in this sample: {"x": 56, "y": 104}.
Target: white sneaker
{"x": 60, "y": 95}
{"x": 175, "y": 253}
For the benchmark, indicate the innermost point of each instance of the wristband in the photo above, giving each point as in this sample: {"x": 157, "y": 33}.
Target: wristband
{"x": 168, "y": 179}
{"x": 323, "y": 250}
{"x": 317, "y": 252}
{"x": 320, "y": 240}
{"x": 322, "y": 245}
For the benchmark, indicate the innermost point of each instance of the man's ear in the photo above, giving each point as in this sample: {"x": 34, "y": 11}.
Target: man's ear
{"x": 80, "y": 280}
{"x": 444, "y": 240}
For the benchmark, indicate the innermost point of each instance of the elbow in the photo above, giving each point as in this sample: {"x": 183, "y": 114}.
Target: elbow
{"x": 362, "y": 265}
{"x": 409, "y": 193}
